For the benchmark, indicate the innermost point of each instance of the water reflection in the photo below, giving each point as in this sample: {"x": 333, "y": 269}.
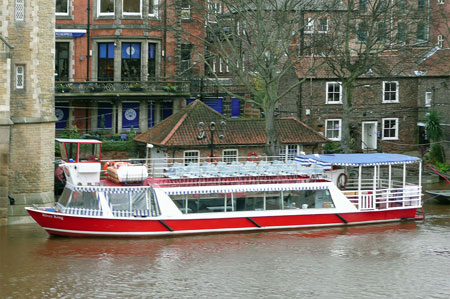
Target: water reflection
{"x": 408, "y": 259}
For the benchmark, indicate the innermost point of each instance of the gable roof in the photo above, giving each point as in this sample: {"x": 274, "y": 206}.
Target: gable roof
{"x": 182, "y": 128}
{"x": 417, "y": 62}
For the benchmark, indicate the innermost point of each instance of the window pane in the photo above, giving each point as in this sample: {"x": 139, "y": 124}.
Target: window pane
{"x": 62, "y": 62}
{"x": 20, "y": 10}
{"x": 106, "y": 61}
{"x": 131, "y": 6}
{"x": 131, "y": 61}
{"x": 61, "y": 6}
{"x": 106, "y": 6}
{"x": 151, "y": 60}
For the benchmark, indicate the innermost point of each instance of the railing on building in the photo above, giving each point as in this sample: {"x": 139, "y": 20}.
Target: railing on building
{"x": 174, "y": 87}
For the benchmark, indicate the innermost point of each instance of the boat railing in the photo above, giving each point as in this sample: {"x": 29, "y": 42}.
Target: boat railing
{"x": 225, "y": 167}
{"x": 369, "y": 183}
{"x": 385, "y": 198}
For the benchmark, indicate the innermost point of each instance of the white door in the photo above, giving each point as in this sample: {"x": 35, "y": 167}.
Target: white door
{"x": 369, "y": 135}
{"x": 158, "y": 161}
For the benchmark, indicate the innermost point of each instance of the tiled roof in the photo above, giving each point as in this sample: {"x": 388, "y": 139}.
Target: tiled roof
{"x": 181, "y": 129}
{"x": 417, "y": 62}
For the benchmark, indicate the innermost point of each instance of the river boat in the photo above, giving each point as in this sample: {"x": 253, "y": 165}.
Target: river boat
{"x": 213, "y": 196}
{"x": 443, "y": 196}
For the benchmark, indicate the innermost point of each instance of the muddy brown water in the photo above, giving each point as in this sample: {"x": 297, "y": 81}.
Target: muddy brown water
{"x": 401, "y": 260}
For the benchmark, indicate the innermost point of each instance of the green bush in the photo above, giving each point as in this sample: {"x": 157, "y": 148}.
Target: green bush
{"x": 332, "y": 148}
{"x": 437, "y": 153}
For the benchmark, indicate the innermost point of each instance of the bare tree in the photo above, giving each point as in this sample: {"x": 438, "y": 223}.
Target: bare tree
{"x": 358, "y": 40}
{"x": 257, "y": 41}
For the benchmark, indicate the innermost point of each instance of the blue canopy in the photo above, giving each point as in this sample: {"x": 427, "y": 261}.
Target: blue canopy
{"x": 358, "y": 159}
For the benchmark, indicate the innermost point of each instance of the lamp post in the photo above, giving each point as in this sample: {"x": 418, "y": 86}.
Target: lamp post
{"x": 212, "y": 128}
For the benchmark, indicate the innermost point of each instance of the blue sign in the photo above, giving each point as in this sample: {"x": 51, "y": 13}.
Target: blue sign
{"x": 62, "y": 115}
{"x": 130, "y": 115}
{"x": 69, "y": 33}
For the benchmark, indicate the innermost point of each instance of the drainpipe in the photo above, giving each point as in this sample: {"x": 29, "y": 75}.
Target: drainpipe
{"x": 88, "y": 36}
{"x": 165, "y": 39}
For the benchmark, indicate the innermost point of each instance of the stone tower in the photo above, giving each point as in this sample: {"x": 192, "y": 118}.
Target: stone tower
{"x": 27, "y": 122}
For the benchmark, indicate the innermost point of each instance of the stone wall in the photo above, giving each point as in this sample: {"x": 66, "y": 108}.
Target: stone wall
{"x": 30, "y": 151}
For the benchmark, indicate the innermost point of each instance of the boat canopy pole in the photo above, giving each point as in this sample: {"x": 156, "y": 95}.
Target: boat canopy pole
{"x": 390, "y": 176}
{"x": 404, "y": 175}
{"x": 374, "y": 183}
{"x": 420, "y": 174}
{"x": 359, "y": 186}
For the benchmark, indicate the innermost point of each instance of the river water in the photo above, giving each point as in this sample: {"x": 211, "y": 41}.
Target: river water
{"x": 402, "y": 260}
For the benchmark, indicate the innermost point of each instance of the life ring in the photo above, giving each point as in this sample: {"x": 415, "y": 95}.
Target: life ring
{"x": 342, "y": 180}
{"x": 252, "y": 157}
{"x": 107, "y": 164}
{"x": 213, "y": 158}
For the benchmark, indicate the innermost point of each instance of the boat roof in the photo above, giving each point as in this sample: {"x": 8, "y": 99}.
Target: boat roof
{"x": 359, "y": 159}
{"x": 64, "y": 140}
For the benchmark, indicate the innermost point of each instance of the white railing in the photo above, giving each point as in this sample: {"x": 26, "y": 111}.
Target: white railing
{"x": 370, "y": 199}
{"x": 210, "y": 167}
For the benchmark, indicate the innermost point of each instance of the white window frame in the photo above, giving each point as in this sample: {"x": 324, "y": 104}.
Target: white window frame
{"x": 286, "y": 155}
{"x": 227, "y": 67}
{"x": 214, "y": 65}
{"x": 20, "y": 76}
{"x": 64, "y": 13}
{"x": 19, "y": 13}
{"x": 214, "y": 9}
{"x": 195, "y": 156}
{"x": 338, "y": 138}
{"x": 383, "y": 128}
{"x": 230, "y": 155}
{"x": 309, "y": 26}
{"x": 440, "y": 1}
{"x": 186, "y": 12}
{"x": 319, "y": 25}
{"x": 220, "y": 65}
{"x": 440, "y": 41}
{"x": 155, "y": 12}
{"x": 428, "y": 98}
{"x": 328, "y": 101}
{"x": 129, "y": 14}
{"x": 102, "y": 14}
{"x": 397, "y": 91}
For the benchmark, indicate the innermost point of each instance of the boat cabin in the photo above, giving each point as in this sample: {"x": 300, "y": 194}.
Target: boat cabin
{"x": 79, "y": 150}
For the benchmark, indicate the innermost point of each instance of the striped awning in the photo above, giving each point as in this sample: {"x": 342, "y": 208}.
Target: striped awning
{"x": 111, "y": 189}
{"x": 231, "y": 189}
{"x": 358, "y": 159}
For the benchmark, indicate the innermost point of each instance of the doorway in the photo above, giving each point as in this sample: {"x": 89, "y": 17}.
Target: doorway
{"x": 369, "y": 135}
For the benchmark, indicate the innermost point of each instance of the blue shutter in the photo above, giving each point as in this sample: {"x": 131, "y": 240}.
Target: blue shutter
{"x": 110, "y": 50}
{"x": 167, "y": 109}
{"x": 136, "y": 53}
{"x": 62, "y": 114}
{"x": 151, "y": 51}
{"x": 125, "y": 46}
{"x": 106, "y": 110}
{"x": 235, "y": 107}
{"x": 216, "y": 104}
{"x": 130, "y": 115}
{"x": 102, "y": 47}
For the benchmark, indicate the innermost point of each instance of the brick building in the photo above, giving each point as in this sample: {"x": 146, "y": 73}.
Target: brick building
{"x": 27, "y": 119}
{"x": 177, "y": 136}
{"x": 388, "y": 112}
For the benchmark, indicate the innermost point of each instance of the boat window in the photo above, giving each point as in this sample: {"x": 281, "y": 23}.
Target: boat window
{"x": 253, "y": 201}
{"x": 62, "y": 151}
{"x": 307, "y": 199}
{"x": 86, "y": 200}
{"x": 203, "y": 203}
{"x": 89, "y": 152}
{"x": 136, "y": 201}
{"x": 65, "y": 196}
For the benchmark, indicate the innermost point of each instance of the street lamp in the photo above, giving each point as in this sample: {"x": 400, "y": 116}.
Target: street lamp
{"x": 212, "y": 128}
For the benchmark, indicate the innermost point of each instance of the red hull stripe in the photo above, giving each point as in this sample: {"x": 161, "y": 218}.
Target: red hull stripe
{"x": 71, "y": 225}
